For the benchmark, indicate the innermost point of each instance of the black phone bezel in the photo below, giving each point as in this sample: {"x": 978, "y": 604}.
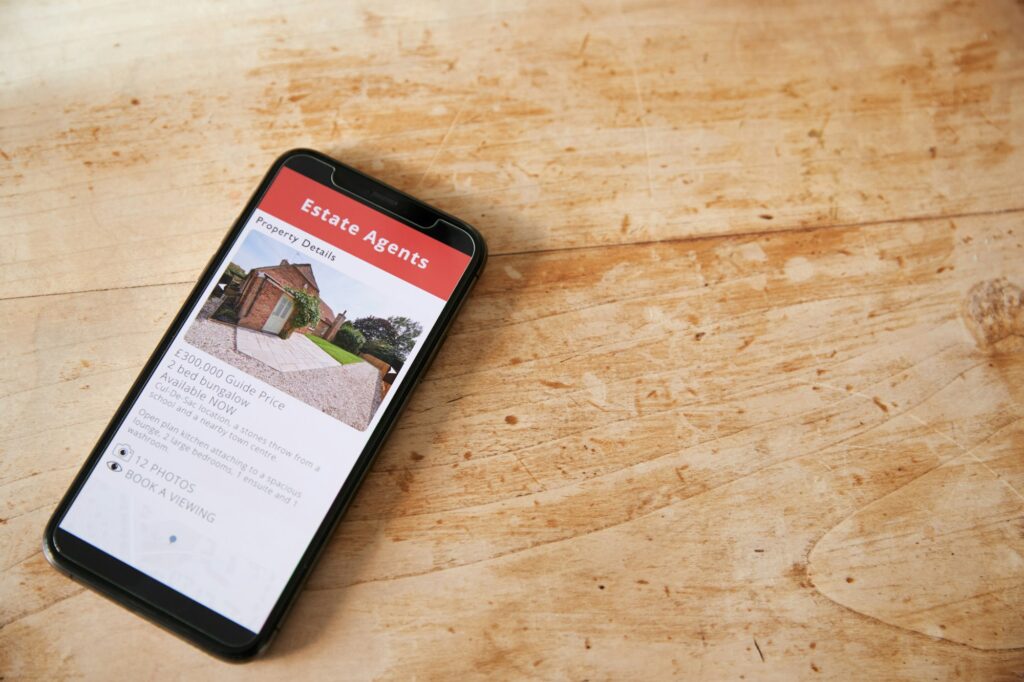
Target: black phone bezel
{"x": 165, "y": 606}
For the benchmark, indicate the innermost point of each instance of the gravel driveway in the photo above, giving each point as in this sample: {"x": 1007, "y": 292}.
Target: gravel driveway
{"x": 350, "y": 393}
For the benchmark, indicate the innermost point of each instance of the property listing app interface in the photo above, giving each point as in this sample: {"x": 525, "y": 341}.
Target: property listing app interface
{"x": 226, "y": 464}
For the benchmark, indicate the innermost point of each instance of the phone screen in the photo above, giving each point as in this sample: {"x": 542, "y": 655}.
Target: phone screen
{"x": 225, "y": 466}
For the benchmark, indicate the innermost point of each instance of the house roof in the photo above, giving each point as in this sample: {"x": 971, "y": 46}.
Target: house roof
{"x": 304, "y": 269}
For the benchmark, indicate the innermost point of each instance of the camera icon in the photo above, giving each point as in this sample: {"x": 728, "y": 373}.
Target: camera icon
{"x": 123, "y": 451}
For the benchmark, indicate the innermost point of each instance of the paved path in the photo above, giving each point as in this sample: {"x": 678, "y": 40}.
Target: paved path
{"x": 350, "y": 393}
{"x": 285, "y": 355}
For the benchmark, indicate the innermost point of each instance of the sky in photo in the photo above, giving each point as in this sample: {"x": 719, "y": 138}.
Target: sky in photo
{"x": 337, "y": 290}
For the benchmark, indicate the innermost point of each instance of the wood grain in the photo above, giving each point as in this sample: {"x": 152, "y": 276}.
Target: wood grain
{"x": 739, "y": 395}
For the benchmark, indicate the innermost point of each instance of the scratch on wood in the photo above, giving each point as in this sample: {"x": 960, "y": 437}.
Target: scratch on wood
{"x": 643, "y": 109}
{"x": 444, "y": 140}
{"x": 583, "y": 45}
{"x": 528, "y": 472}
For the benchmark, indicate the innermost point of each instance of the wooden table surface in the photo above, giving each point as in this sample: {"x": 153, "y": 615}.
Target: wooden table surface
{"x": 738, "y": 396}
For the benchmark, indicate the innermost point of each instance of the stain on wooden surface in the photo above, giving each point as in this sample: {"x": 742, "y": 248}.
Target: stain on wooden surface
{"x": 738, "y": 397}
{"x": 994, "y": 311}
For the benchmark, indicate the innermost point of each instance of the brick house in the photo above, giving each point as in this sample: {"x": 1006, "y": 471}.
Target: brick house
{"x": 264, "y": 303}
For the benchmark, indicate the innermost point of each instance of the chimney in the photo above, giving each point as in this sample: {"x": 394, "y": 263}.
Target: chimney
{"x": 336, "y": 325}
{"x": 284, "y": 261}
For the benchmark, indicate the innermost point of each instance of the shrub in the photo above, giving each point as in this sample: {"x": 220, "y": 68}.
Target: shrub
{"x": 226, "y": 313}
{"x": 350, "y": 338}
{"x": 307, "y": 308}
{"x": 385, "y": 352}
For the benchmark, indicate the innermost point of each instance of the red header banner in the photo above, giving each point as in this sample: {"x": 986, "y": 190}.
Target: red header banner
{"x": 365, "y": 233}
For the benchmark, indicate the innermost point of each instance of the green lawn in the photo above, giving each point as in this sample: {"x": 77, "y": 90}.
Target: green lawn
{"x": 339, "y": 354}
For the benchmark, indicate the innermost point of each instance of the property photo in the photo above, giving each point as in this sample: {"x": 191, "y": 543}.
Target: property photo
{"x": 311, "y": 331}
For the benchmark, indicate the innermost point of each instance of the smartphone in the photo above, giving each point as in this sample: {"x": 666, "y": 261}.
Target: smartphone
{"x": 221, "y": 476}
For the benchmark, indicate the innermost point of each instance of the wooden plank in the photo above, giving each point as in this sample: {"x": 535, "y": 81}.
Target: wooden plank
{"x": 132, "y": 134}
{"x": 660, "y": 460}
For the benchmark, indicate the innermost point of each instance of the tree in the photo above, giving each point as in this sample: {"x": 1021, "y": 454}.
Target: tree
{"x": 398, "y": 334}
{"x": 235, "y": 270}
{"x": 377, "y": 329}
{"x": 408, "y": 331}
